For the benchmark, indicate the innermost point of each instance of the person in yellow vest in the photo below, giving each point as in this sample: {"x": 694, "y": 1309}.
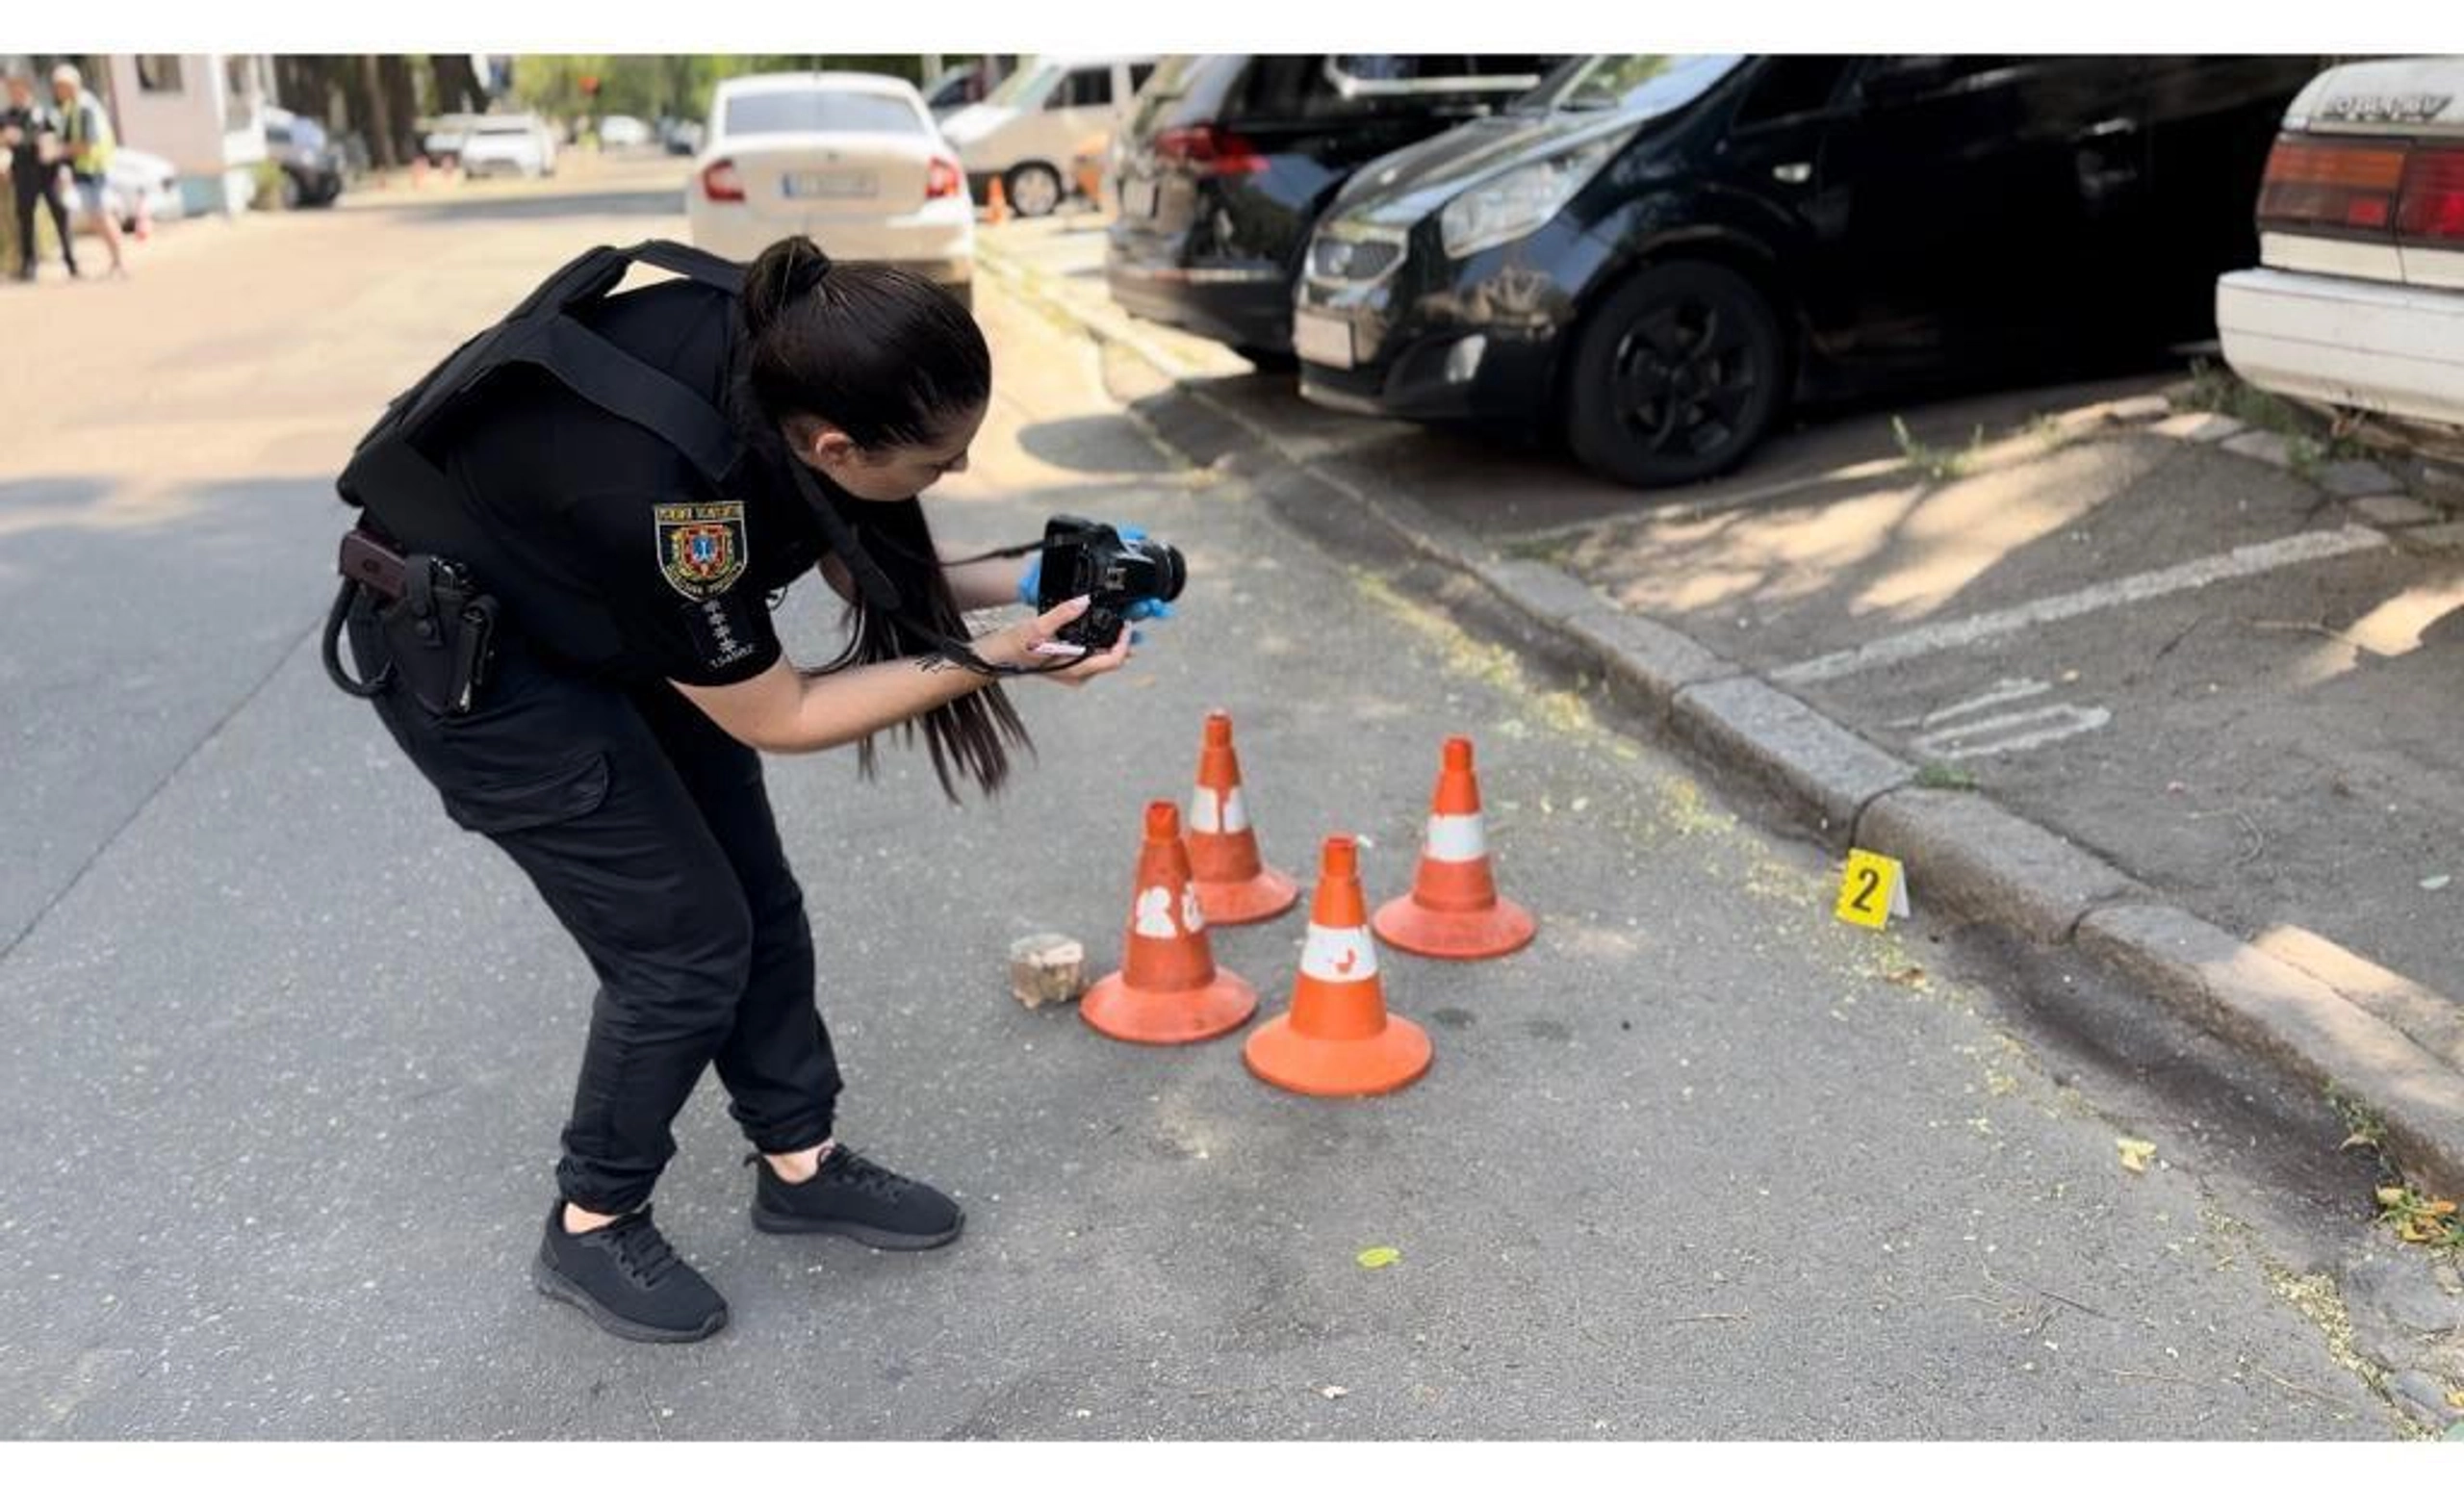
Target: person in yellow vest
{"x": 86, "y": 135}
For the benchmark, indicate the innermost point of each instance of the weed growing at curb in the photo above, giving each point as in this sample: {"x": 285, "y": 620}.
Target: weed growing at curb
{"x": 2419, "y": 1219}
{"x": 1938, "y": 466}
{"x": 1944, "y": 776}
{"x": 2364, "y": 1126}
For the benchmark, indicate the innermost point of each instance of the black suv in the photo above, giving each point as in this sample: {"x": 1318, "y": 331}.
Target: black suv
{"x": 1226, "y": 161}
{"x": 1659, "y": 255}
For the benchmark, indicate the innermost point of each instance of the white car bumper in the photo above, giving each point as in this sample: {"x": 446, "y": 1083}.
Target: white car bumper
{"x": 937, "y": 242}
{"x": 2380, "y": 347}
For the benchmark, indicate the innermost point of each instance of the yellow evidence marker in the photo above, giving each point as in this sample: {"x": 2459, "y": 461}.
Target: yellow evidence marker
{"x": 1872, "y": 889}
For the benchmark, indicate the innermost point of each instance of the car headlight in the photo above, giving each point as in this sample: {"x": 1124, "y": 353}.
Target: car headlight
{"x": 1520, "y": 201}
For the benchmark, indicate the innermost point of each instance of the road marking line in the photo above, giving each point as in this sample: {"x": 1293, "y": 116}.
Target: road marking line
{"x": 2240, "y": 563}
{"x": 1943, "y": 743}
{"x": 2010, "y": 689}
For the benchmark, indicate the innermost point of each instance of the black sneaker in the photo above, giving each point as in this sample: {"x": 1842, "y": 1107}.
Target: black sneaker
{"x": 628, "y": 1279}
{"x": 853, "y": 1197}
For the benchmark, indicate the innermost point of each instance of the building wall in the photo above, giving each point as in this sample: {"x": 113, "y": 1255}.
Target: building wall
{"x": 204, "y": 112}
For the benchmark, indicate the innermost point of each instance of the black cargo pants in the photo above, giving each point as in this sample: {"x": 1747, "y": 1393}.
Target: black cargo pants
{"x": 647, "y": 829}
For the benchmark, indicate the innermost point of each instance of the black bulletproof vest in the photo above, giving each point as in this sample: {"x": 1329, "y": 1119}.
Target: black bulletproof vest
{"x": 414, "y": 503}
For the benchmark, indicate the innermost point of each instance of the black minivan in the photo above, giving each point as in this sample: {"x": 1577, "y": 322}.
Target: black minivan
{"x": 1658, "y": 255}
{"x": 1226, "y": 159}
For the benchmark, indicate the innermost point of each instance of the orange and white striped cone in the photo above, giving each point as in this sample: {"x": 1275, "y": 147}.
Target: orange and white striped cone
{"x": 1168, "y": 989}
{"x": 1454, "y": 911}
{"x": 1338, "y": 1039}
{"x": 997, "y": 203}
{"x": 1234, "y": 886}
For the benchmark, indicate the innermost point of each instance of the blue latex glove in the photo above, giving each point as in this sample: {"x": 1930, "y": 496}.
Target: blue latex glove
{"x": 1143, "y": 609}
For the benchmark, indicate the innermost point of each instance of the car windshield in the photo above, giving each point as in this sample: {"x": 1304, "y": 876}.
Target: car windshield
{"x": 510, "y": 127}
{"x": 1638, "y": 84}
{"x": 820, "y": 110}
{"x": 1025, "y": 88}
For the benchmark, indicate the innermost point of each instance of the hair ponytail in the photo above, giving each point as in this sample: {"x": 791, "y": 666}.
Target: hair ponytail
{"x": 892, "y": 359}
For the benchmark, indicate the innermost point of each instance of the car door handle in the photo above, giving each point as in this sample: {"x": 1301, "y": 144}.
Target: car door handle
{"x": 1794, "y": 172}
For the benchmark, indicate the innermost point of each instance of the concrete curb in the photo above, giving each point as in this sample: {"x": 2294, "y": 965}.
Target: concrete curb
{"x": 2257, "y": 1002}
{"x": 2313, "y": 1008}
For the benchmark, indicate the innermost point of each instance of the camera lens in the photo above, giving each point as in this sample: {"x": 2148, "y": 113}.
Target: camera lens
{"x": 1173, "y": 573}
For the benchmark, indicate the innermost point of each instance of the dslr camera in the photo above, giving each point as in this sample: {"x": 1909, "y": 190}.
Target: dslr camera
{"x": 1088, "y": 557}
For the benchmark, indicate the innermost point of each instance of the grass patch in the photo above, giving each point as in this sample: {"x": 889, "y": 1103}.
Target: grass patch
{"x": 1944, "y": 776}
{"x": 1936, "y": 465}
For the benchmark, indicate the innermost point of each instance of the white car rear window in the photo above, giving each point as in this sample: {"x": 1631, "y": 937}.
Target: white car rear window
{"x": 821, "y": 112}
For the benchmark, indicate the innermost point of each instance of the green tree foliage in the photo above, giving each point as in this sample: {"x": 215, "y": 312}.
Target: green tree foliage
{"x": 671, "y": 86}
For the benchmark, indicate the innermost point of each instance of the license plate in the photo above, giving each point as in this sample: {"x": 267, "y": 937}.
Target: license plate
{"x": 829, "y": 185}
{"x": 1138, "y": 198}
{"x": 1321, "y": 339}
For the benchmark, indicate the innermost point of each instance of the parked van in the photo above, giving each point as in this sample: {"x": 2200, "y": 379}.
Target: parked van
{"x": 1028, "y": 130}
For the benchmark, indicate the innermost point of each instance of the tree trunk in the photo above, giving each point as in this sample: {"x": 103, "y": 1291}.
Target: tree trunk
{"x": 458, "y": 85}
{"x": 401, "y": 104}
{"x": 380, "y": 136}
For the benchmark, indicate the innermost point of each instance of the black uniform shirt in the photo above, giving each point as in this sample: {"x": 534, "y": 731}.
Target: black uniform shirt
{"x": 614, "y": 554}
{"x": 25, "y": 157}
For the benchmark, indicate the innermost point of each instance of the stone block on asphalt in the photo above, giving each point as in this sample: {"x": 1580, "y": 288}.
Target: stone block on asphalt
{"x": 2265, "y": 448}
{"x": 2395, "y": 511}
{"x": 1649, "y": 656}
{"x": 1542, "y": 590}
{"x": 1750, "y": 726}
{"x": 1971, "y": 856}
{"x": 2351, "y": 478}
{"x": 2199, "y": 427}
{"x": 2268, "y": 1009}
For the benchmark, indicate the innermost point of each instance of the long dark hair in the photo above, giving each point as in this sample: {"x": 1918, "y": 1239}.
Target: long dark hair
{"x": 892, "y": 360}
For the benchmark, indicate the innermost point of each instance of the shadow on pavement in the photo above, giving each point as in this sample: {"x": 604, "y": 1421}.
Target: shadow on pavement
{"x": 1100, "y": 443}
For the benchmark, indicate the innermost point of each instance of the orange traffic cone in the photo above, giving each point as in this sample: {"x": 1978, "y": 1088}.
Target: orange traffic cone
{"x": 997, "y": 203}
{"x": 1168, "y": 989}
{"x": 1338, "y": 1039}
{"x": 1454, "y": 911}
{"x": 1233, "y": 886}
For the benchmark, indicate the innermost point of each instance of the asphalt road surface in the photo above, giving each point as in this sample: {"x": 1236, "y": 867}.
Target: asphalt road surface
{"x": 286, "y": 1054}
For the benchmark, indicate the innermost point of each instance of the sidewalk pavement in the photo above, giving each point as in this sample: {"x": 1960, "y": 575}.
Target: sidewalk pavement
{"x": 2170, "y": 690}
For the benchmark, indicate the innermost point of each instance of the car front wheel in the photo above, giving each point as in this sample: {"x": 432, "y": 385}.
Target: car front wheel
{"x": 1034, "y": 191}
{"x": 1675, "y": 377}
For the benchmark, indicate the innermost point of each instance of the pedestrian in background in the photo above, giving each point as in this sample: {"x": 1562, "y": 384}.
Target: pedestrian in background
{"x": 30, "y": 129}
{"x": 85, "y": 134}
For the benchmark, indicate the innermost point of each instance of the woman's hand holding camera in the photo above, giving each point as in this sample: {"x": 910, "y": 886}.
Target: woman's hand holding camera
{"x": 1031, "y": 643}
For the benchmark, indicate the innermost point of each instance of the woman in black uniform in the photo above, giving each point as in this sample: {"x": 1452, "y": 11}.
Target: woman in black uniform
{"x": 613, "y": 753}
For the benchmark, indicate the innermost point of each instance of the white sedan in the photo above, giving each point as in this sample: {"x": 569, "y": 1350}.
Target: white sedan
{"x": 850, "y": 159}
{"x": 2359, "y": 299}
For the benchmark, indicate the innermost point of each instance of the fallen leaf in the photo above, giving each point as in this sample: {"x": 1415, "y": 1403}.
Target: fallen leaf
{"x": 1334, "y": 1390}
{"x": 2389, "y": 1197}
{"x": 2433, "y": 884}
{"x": 2135, "y": 1154}
{"x": 2456, "y": 1399}
{"x": 1908, "y": 975}
{"x": 1379, "y": 1258}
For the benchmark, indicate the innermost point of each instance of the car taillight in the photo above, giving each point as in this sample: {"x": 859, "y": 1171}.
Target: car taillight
{"x": 1208, "y": 149}
{"x": 2348, "y": 184}
{"x": 2432, "y": 205}
{"x": 943, "y": 179}
{"x": 720, "y": 181}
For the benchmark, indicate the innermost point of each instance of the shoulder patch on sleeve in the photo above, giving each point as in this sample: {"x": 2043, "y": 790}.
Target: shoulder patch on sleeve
{"x": 700, "y": 546}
